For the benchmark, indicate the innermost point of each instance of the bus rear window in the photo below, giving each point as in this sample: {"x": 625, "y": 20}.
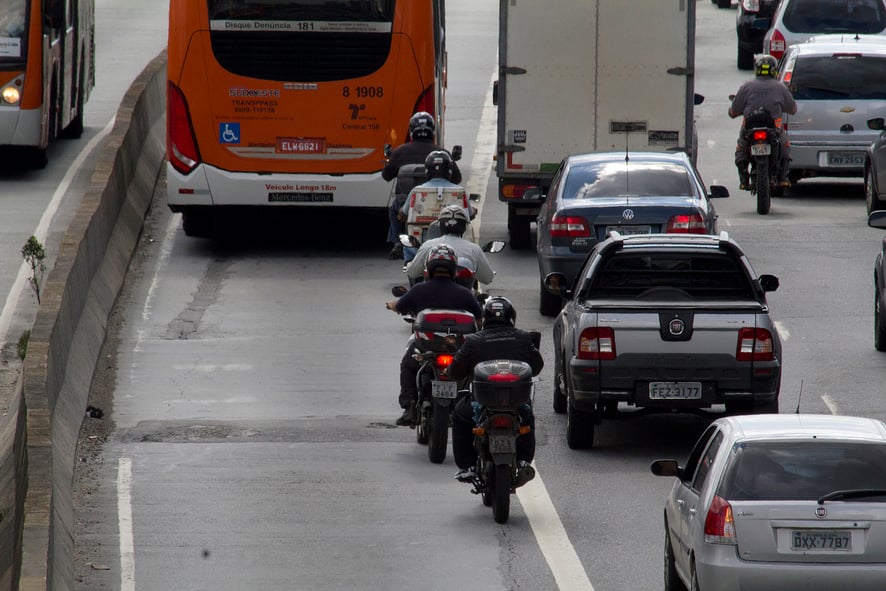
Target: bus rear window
{"x": 303, "y": 10}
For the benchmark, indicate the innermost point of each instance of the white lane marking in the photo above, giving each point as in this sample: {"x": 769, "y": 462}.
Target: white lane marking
{"x": 829, "y": 402}
{"x": 481, "y": 164}
{"x": 124, "y": 524}
{"x": 40, "y": 232}
{"x": 558, "y": 551}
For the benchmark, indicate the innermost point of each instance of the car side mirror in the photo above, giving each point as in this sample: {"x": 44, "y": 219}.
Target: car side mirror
{"x": 877, "y": 219}
{"x": 768, "y": 282}
{"x": 718, "y": 191}
{"x": 388, "y": 150}
{"x": 666, "y": 468}
{"x": 877, "y": 123}
{"x": 556, "y": 284}
{"x": 533, "y": 193}
{"x": 475, "y": 197}
{"x": 697, "y": 99}
{"x": 456, "y": 152}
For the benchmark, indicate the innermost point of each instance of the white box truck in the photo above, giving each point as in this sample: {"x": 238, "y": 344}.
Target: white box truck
{"x": 588, "y": 76}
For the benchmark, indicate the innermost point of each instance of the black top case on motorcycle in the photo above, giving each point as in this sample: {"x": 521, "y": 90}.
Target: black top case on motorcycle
{"x": 502, "y": 384}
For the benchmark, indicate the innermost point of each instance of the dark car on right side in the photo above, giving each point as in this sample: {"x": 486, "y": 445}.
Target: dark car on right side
{"x": 875, "y": 168}
{"x": 752, "y": 19}
{"x": 877, "y": 219}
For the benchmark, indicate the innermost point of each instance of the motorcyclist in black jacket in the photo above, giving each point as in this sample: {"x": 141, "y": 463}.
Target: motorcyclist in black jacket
{"x": 422, "y": 130}
{"x": 440, "y": 290}
{"x": 499, "y": 339}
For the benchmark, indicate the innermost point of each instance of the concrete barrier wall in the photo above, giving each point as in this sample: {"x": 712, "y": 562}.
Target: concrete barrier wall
{"x": 67, "y": 336}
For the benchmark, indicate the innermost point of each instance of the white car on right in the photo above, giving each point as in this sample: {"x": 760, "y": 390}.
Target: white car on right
{"x": 839, "y": 83}
{"x": 795, "y": 21}
{"x": 786, "y": 502}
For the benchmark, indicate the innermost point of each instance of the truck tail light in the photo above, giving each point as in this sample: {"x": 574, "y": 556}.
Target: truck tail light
{"x": 514, "y": 191}
{"x": 691, "y": 223}
{"x": 776, "y": 44}
{"x": 181, "y": 144}
{"x": 569, "y": 227}
{"x": 719, "y": 525}
{"x": 597, "y": 344}
{"x": 755, "y": 344}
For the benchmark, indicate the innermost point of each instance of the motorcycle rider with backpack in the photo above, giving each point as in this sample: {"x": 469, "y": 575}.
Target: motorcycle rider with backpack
{"x": 439, "y": 291}
{"x": 499, "y": 339}
{"x": 767, "y": 93}
{"x": 422, "y": 130}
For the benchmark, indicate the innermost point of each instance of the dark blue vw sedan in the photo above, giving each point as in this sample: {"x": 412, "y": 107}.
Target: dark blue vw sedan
{"x": 632, "y": 193}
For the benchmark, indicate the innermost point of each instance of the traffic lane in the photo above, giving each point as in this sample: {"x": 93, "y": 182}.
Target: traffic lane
{"x": 253, "y": 368}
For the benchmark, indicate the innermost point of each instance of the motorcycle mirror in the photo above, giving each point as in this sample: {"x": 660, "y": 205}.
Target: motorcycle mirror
{"x": 409, "y": 240}
{"x": 536, "y": 338}
{"x": 474, "y": 197}
{"x": 456, "y": 152}
{"x": 388, "y": 150}
{"x": 399, "y": 291}
{"x": 494, "y": 246}
{"x": 731, "y": 97}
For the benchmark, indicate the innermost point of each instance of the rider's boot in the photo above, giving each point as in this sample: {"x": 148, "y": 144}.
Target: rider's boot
{"x": 783, "y": 178}
{"x": 744, "y": 179}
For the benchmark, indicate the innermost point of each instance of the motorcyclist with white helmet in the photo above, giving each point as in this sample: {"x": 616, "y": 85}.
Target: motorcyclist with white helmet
{"x": 453, "y": 221}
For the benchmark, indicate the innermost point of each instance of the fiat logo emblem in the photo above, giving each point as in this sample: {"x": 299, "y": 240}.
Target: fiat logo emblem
{"x": 676, "y": 327}
{"x": 628, "y": 214}
{"x": 821, "y": 512}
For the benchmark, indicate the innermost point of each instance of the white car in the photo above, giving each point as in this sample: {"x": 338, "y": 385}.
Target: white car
{"x": 796, "y": 21}
{"x": 787, "y": 502}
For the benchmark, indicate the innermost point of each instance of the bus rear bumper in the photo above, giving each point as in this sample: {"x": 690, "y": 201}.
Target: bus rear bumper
{"x": 208, "y": 186}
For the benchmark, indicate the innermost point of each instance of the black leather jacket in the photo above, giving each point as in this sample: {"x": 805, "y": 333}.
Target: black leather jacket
{"x": 497, "y": 342}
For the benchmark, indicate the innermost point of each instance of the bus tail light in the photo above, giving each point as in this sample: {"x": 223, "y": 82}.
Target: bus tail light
{"x": 569, "y": 227}
{"x": 755, "y": 344}
{"x": 181, "y": 143}
{"x": 691, "y": 223}
{"x": 597, "y": 344}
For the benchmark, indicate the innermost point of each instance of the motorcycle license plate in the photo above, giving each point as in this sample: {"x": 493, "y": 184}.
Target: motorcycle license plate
{"x": 761, "y": 149}
{"x": 441, "y": 389}
{"x": 502, "y": 444}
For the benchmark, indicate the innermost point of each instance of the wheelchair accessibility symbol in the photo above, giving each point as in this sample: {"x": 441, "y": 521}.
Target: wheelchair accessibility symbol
{"x": 229, "y": 133}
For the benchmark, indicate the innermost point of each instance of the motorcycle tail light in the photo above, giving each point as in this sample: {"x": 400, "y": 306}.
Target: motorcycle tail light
{"x": 691, "y": 223}
{"x": 761, "y": 135}
{"x": 501, "y": 422}
{"x": 444, "y": 360}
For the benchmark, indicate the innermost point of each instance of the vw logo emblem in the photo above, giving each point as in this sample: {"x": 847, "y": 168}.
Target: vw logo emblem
{"x": 676, "y": 327}
{"x": 628, "y": 214}
{"x": 821, "y": 512}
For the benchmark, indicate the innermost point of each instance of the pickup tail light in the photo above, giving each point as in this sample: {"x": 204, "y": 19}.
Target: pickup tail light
{"x": 755, "y": 344}
{"x": 181, "y": 143}
{"x": 776, "y": 44}
{"x": 691, "y": 223}
{"x": 597, "y": 344}
{"x": 563, "y": 226}
{"x": 719, "y": 525}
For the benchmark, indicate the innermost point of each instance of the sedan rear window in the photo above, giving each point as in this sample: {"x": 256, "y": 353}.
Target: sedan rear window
{"x": 684, "y": 276}
{"x": 614, "y": 179}
{"x": 804, "y": 470}
{"x": 835, "y": 16}
{"x": 839, "y": 77}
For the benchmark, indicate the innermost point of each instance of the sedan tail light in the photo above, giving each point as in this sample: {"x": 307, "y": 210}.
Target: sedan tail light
{"x": 776, "y": 44}
{"x": 691, "y": 223}
{"x": 597, "y": 344}
{"x": 563, "y": 226}
{"x": 719, "y": 525}
{"x": 755, "y": 344}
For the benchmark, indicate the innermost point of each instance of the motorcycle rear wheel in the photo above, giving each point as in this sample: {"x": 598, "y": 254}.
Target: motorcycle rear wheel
{"x": 501, "y": 493}
{"x": 763, "y": 187}
{"x": 439, "y": 434}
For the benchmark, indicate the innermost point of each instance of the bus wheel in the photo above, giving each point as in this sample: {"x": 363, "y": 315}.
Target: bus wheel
{"x": 197, "y": 225}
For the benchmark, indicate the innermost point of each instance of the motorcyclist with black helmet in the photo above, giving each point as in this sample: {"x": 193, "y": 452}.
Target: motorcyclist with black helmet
{"x": 453, "y": 221}
{"x": 499, "y": 339}
{"x": 763, "y": 92}
{"x": 422, "y": 130}
{"x": 439, "y": 291}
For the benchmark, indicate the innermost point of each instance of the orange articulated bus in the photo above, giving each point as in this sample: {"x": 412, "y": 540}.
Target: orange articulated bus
{"x": 290, "y": 104}
{"x": 47, "y": 71}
